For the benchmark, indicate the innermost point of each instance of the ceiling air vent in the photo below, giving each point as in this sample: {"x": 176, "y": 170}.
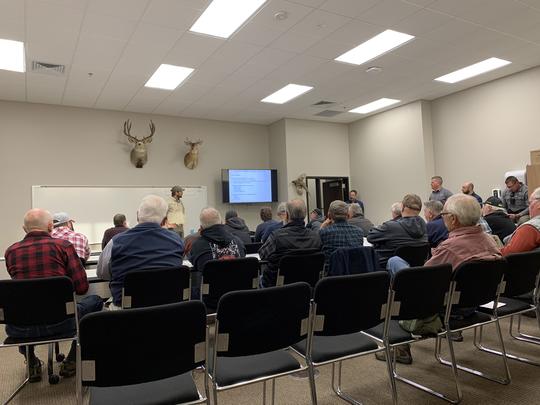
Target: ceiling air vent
{"x": 323, "y": 103}
{"x": 328, "y": 113}
{"x": 48, "y": 68}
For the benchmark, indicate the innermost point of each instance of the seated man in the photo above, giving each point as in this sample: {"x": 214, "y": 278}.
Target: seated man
{"x": 527, "y": 235}
{"x": 145, "y": 246}
{"x": 215, "y": 242}
{"x": 282, "y": 215}
{"x": 237, "y": 226}
{"x": 266, "y": 217}
{"x": 436, "y": 230}
{"x": 337, "y": 233}
{"x": 120, "y": 225}
{"x": 292, "y": 237}
{"x": 316, "y": 218}
{"x": 39, "y": 255}
{"x": 515, "y": 200}
{"x": 395, "y": 211}
{"x": 497, "y": 218}
{"x": 356, "y": 218}
{"x": 468, "y": 188}
{"x": 63, "y": 229}
{"x": 409, "y": 230}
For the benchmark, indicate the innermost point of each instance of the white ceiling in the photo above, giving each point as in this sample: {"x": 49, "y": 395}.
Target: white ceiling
{"x": 122, "y": 42}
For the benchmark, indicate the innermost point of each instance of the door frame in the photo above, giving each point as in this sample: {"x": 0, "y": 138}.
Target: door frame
{"x": 318, "y": 195}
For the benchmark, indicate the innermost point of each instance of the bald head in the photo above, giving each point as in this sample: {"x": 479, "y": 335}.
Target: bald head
{"x": 467, "y": 188}
{"x": 209, "y": 217}
{"x": 38, "y": 220}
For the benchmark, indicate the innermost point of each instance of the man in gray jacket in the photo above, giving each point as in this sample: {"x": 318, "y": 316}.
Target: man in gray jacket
{"x": 356, "y": 218}
{"x": 409, "y": 230}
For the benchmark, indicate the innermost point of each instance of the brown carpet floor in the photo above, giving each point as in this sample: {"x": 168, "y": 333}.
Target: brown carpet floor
{"x": 365, "y": 378}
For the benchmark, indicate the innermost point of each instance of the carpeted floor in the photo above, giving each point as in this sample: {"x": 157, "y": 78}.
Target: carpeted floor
{"x": 365, "y": 378}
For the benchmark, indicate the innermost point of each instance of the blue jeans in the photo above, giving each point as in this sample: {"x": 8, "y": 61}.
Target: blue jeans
{"x": 395, "y": 264}
{"x": 89, "y": 304}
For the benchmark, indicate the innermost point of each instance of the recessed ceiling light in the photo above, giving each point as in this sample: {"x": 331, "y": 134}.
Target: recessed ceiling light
{"x": 223, "y": 17}
{"x": 374, "y": 105}
{"x": 473, "y": 70}
{"x": 12, "y": 55}
{"x": 376, "y": 46}
{"x": 286, "y": 93}
{"x": 168, "y": 77}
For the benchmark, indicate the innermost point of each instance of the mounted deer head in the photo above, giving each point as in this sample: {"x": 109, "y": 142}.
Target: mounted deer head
{"x": 139, "y": 157}
{"x": 300, "y": 184}
{"x": 191, "y": 159}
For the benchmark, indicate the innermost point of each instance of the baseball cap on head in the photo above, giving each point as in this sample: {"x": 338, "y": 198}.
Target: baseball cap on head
{"x": 176, "y": 189}
{"x": 61, "y": 218}
{"x": 494, "y": 201}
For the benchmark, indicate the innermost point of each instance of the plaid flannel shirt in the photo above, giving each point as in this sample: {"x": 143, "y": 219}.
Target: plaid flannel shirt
{"x": 78, "y": 240}
{"x": 340, "y": 235}
{"x": 40, "y": 255}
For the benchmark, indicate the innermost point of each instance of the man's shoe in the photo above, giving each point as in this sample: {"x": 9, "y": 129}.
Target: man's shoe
{"x": 35, "y": 370}
{"x": 403, "y": 354}
{"x": 68, "y": 368}
{"x": 455, "y": 336}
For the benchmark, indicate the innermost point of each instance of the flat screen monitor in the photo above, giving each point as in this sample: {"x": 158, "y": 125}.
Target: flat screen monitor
{"x": 241, "y": 186}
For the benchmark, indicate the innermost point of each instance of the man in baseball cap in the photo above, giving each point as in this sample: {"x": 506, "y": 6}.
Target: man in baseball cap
{"x": 176, "y": 214}
{"x": 498, "y": 220}
{"x": 63, "y": 229}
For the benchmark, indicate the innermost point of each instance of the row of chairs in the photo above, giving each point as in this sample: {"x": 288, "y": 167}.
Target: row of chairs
{"x": 253, "y": 327}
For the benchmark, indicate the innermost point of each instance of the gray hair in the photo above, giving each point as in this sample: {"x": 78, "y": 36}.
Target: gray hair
{"x": 435, "y": 207}
{"x": 396, "y": 208}
{"x": 338, "y": 210}
{"x": 536, "y": 194}
{"x": 282, "y": 208}
{"x": 209, "y": 217}
{"x": 37, "y": 220}
{"x": 355, "y": 209}
{"x": 296, "y": 209}
{"x": 153, "y": 208}
{"x": 465, "y": 208}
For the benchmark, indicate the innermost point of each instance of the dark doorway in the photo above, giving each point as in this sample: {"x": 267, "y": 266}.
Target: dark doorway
{"x": 325, "y": 189}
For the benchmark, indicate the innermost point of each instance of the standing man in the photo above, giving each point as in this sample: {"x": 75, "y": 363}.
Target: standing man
{"x": 63, "y": 229}
{"x": 468, "y": 188}
{"x": 439, "y": 193}
{"x": 353, "y": 199}
{"x": 515, "y": 198}
{"x": 176, "y": 214}
{"x": 39, "y": 255}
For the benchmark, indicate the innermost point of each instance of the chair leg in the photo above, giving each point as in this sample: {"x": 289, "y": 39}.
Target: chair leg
{"x": 264, "y": 392}
{"x": 312, "y": 387}
{"x": 501, "y": 380}
{"x": 437, "y": 394}
{"x": 214, "y": 394}
{"x": 26, "y": 380}
{"x": 336, "y": 385}
{"x": 273, "y": 390}
{"x": 523, "y": 337}
{"x": 390, "y": 366}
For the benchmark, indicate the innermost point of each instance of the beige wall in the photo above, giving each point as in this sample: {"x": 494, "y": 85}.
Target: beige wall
{"x": 52, "y": 145}
{"x": 278, "y": 156}
{"x": 481, "y": 133}
{"x": 390, "y": 155}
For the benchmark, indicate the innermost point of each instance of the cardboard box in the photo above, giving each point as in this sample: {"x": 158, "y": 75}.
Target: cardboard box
{"x": 533, "y": 177}
{"x": 535, "y": 157}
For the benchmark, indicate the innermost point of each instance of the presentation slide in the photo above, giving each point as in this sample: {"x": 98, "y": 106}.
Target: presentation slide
{"x": 246, "y": 186}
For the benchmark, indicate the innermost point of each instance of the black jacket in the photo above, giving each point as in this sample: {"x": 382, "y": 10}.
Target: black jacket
{"x": 293, "y": 237}
{"x": 238, "y": 227}
{"x": 406, "y": 231}
{"x": 500, "y": 224}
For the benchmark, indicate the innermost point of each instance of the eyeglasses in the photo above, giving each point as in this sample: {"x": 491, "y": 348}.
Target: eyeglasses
{"x": 446, "y": 213}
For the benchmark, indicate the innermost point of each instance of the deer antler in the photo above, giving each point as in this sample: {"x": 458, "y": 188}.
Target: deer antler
{"x": 127, "y": 132}
{"x": 192, "y": 144}
{"x": 148, "y": 139}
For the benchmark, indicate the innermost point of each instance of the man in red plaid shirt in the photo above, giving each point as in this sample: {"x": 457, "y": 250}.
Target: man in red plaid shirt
{"x": 40, "y": 255}
{"x": 63, "y": 229}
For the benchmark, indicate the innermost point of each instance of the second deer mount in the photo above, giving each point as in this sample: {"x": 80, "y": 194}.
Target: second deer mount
{"x": 191, "y": 159}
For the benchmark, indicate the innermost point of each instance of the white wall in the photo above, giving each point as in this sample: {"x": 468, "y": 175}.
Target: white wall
{"x": 390, "y": 155}
{"x": 52, "y": 145}
{"x": 481, "y": 133}
{"x": 278, "y": 156}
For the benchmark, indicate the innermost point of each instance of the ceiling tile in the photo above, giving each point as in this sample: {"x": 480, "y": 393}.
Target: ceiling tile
{"x": 107, "y": 26}
{"x": 128, "y": 9}
{"x": 171, "y": 14}
{"x": 348, "y": 8}
{"x": 12, "y": 86}
{"x": 388, "y": 12}
{"x": 12, "y": 23}
{"x": 42, "y": 88}
{"x": 119, "y": 89}
{"x": 319, "y": 24}
{"x": 191, "y": 50}
{"x": 82, "y": 89}
{"x": 96, "y": 52}
{"x": 422, "y": 22}
{"x": 146, "y": 100}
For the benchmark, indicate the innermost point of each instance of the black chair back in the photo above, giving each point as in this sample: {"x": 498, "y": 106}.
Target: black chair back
{"x": 36, "y": 301}
{"x": 261, "y": 321}
{"x": 149, "y": 287}
{"x": 222, "y": 276}
{"x": 121, "y": 347}
{"x": 349, "y": 304}
{"x": 521, "y": 273}
{"x": 300, "y": 267}
{"x": 253, "y": 247}
{"x": 420, "y": 291}
{"x": 477, "y": 282}
{"x": 414, "y": 255}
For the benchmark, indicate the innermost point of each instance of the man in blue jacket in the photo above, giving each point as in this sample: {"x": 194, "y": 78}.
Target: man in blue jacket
{"x": 144, "y": 246}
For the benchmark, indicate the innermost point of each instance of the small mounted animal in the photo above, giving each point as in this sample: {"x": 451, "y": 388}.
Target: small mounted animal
{"x": 191, "y": 159}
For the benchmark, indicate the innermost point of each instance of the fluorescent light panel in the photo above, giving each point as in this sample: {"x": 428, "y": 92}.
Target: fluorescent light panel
{"x": 12, "y": 55}
{"x": 286, "y": 94}
{"x": 223, "y": 17}
{"x": 473, "y": 70}
{"x": 376, "y": 46}
{"x": 374, "y": 105}
{"x": 168, "y": 77}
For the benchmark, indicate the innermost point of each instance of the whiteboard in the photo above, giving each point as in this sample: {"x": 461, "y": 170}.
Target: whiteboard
{"x": 93, "y": 207}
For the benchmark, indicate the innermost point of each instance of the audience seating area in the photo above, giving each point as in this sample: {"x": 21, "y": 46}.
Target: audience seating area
{"x": 259, "y": 335}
